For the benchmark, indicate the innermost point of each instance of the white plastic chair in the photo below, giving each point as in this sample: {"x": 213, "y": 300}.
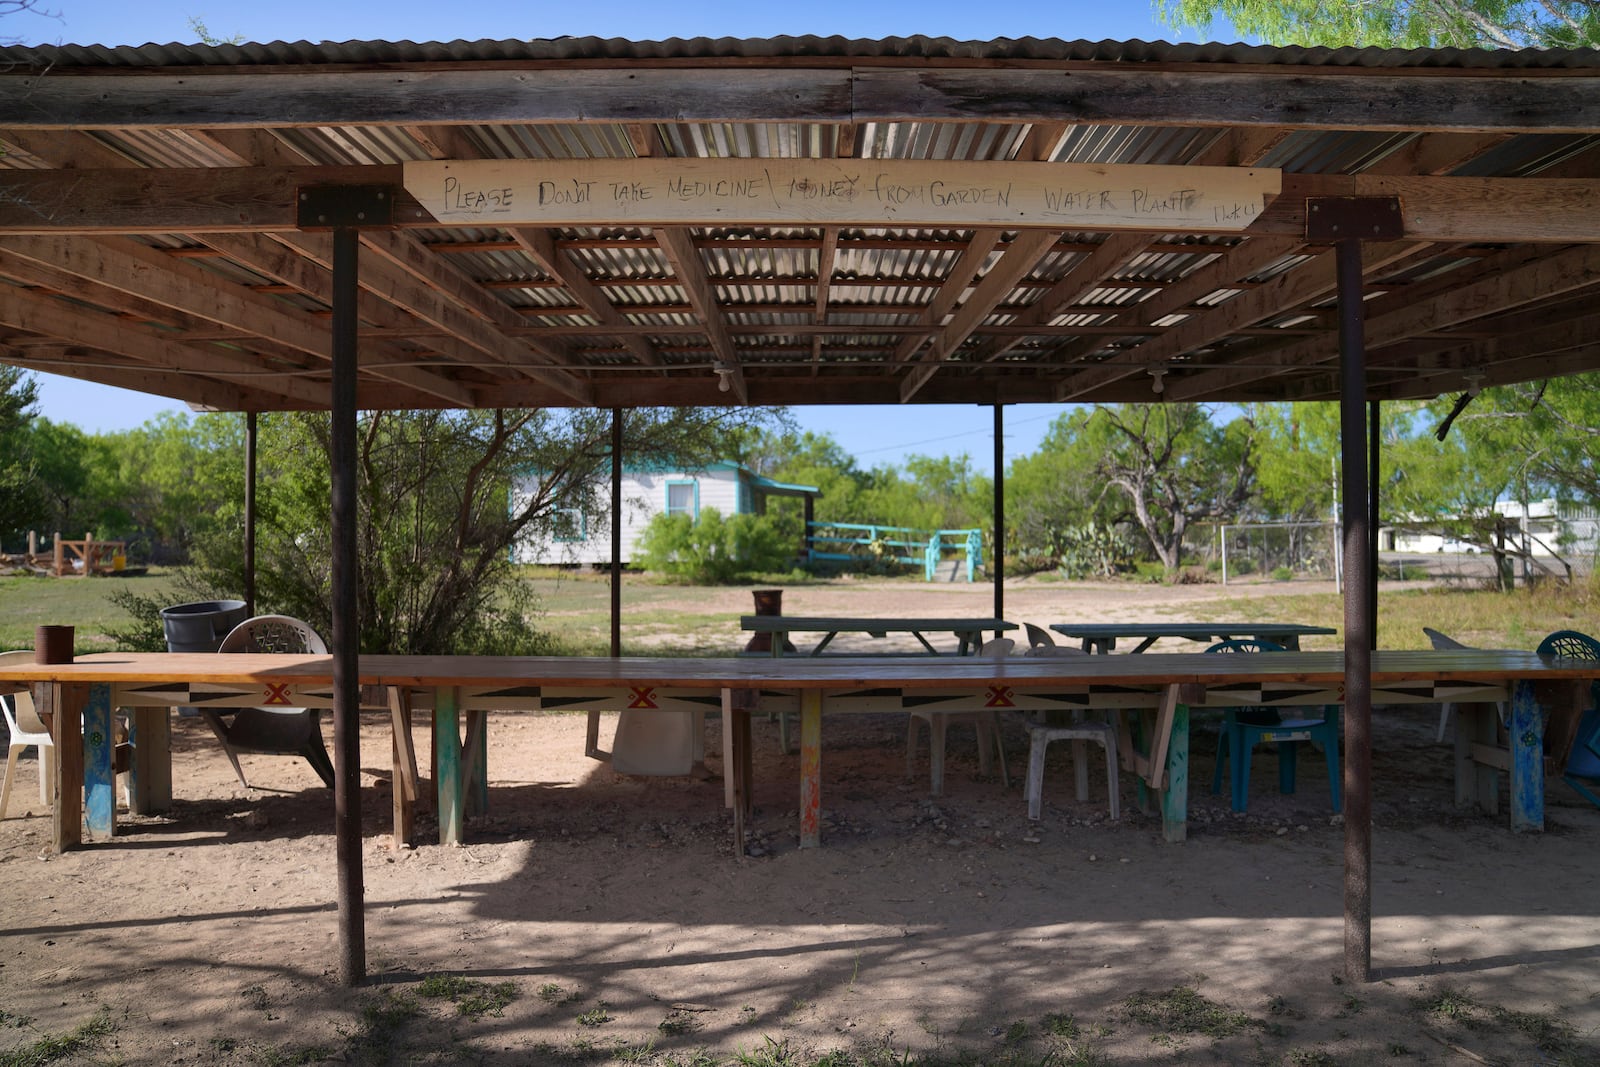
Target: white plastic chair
{"x": 27, "y": 730}
{"x": 1040, "y": 734}
{"x": 1444, "y": 643}
{"x": 985, "y": 722}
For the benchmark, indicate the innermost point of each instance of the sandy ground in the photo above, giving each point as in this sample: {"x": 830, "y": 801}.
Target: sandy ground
{"x": 606, "y": 919}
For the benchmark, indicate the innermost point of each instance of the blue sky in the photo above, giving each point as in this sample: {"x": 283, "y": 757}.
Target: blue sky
{"x": 876, "y": 435}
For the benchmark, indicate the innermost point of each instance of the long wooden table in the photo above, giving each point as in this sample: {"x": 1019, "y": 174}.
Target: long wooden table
{"x": 1159, "y": 687}
{"x": 1103, "y": 636}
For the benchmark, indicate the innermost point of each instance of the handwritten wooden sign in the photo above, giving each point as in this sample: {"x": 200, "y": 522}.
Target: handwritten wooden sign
{"x": 865, "y": 192}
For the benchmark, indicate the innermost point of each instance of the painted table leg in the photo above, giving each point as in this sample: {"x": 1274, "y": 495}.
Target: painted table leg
{"x": 475, "y": 762}
{"x": 99, "y": 775}
{"x": 1175, "y": 797}
{"x": 64, "y": 704}
{"x": 447, "y": 750}
{"x": 810, "y": 768}
{"x": 150, "y": 776}
{"x": 403, "y": 780}
{"x": 1527, "y": 760}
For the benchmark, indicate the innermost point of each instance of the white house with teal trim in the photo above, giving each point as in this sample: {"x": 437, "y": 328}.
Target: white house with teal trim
{"x": 583, "y": 536}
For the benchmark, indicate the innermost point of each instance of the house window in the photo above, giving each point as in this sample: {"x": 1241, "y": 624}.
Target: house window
{"x": 569, "y": 524}
{"x": 683, "y": 498}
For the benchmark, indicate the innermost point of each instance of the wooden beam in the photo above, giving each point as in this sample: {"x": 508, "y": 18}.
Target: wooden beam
{"x": 1493, "y": 291}
{"x": 1084, "y": 277}
{"x": 861, "y": 192}
{"x": 1021, "y": 256}
{"x": 1318, "y": 98}
{"x": 1505, "y": 210}
{"x": 402, "y": 97}
{"x": 75, "y": 325}
{"x": 974, "y": 255}
{"x": 691, "y": 272}
{"x": 273, "y": 260}
{"x": 392, "y": 275}
{"x": 262, "y": 199}
{"x": 71, "y": 362}
{"x": 542, "y": 247}
{"x": 1301, "y": 97}
{"x": 1289, "y": 290}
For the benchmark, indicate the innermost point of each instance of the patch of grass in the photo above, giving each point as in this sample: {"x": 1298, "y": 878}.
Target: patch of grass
{"x": 1183, "y": 1010}
{"x": 1058, "y": 1024}
{"x": 698, "y": 1058}
{"x": 770, "y": 1054}
{"x": 551, "y": 993}
{"x": 625, "y": 1053}
{"x": 1554, "y": 1037}
{"x": 1308, "y": 1057}
{"x": 595, "y": 1016}
{"x": 1450, "y": 1003}
{"x": 53, "y": 1048}
{"x": 472, "y": 998}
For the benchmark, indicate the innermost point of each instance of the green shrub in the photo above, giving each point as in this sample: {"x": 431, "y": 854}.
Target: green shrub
{"x": 710, "y": 549}
{"x": 1282, "y": 574}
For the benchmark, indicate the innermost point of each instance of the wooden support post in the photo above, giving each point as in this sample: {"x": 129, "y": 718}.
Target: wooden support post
{"x": 404, "y": 754}
{"x": 447, "y": 751}
{"x": 810, "y": 768}
{"x": 150, "y": 777}
{"x": 64, "y": 705}
{"x": 99, "y": 773}
{"x": 1527, "y": 759}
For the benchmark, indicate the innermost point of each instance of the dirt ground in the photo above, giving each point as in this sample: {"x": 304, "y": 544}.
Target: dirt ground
{"x": 601, "y": 919}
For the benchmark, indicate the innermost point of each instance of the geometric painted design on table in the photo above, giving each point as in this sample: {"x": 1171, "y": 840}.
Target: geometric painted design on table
{"x": 277, "y": 696}
{"x": 1000, "y": 696}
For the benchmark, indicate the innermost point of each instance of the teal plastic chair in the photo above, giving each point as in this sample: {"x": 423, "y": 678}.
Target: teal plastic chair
{"x": 1583, "y": 765}
{"x": 1245, "y": 728}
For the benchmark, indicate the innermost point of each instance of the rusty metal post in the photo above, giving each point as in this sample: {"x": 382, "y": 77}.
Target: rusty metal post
{"x": 616, "y": 532}
{"x": 999, "y": 562}
{"x": 1374, "y": 482}
{"x": 1359, "y": 624}
{"x": 345, "y": 211}
{"x": 250, "y": 513}
{"x": 1347, "y": 221}
{"x": 346, "y": 626}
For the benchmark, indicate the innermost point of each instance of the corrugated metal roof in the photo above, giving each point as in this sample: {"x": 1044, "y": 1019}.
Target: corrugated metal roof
{"x": 570, "y": 49}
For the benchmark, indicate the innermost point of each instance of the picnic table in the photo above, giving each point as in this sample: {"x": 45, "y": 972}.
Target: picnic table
{"x": 969, "y": 632}
{"x": 1103, "y": 636}
{"x": 1158, "y": 688}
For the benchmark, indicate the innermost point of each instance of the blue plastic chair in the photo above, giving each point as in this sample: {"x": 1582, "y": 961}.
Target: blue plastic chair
{"x": 1583, "y": 765}
{"x": 1244, "y": 728}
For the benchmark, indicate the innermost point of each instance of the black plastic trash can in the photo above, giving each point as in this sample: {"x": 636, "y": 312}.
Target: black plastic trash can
{"x": 201, "y": 626}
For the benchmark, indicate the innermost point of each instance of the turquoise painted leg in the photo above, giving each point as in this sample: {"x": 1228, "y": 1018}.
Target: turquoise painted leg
{"x": 1222, "y": 758}
{"x": 99, "y": 780}
{"x": 1527, "y": 760}
{"x": 1136, "y": 729}
{"x": 1175, "y": 798}
{"x": 1288, "y": 752}
{"x": 447, "y": 746}
{"x": 1242, "y": 754}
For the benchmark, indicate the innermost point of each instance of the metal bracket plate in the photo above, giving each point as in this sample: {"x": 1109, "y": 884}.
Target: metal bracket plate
{"x": 1361, "y": 218}
{"x": 327, "y": 207}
